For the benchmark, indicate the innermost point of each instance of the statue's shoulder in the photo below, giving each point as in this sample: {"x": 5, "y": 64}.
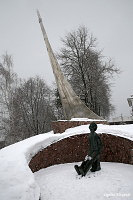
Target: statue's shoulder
{"x": 97, "y": 135}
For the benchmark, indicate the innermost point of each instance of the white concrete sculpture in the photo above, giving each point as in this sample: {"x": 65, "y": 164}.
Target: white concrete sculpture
{"x": 73, "y": 107}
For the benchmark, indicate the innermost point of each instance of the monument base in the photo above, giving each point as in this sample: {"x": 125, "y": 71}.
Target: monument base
{"x": 62, "y": 125}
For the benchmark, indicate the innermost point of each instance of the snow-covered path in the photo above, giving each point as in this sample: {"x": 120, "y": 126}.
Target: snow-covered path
{"x": 60, "y": 182}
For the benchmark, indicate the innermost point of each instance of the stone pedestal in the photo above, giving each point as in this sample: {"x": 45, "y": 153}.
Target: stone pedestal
{"x": 62, "y": 125}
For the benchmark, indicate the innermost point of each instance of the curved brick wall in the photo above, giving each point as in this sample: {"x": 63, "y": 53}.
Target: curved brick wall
{"x": 75, "y": 148}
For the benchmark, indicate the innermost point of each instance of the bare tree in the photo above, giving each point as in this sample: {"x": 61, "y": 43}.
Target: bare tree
{"x": 8, "y": 81}
{"x": 32, "y": 110}
{"x": 88, "y": 74}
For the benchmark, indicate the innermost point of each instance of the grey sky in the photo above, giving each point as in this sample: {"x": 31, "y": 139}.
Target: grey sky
{"x": 109, "y": 20}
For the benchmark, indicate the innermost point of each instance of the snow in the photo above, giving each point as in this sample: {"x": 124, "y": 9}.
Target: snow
{"x": 62, "y": 182}
{"x": 86, "y": 119}
{"x": 17, "y": 180}
{"x": 125, "y": 131}
{"x": 83, "y": 119}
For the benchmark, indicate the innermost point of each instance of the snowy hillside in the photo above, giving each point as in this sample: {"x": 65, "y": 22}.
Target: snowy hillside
{"x": 16, "y": 179}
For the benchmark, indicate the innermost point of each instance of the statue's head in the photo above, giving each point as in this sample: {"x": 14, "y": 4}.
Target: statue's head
{"x": 93, "y": 127}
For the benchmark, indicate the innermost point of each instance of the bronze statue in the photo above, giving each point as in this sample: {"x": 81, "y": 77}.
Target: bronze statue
{"x": 92, "y": 160}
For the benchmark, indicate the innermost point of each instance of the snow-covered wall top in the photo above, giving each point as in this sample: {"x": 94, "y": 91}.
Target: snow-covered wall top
{"x": 83, "y": 119}
{"x": 16, "y": 179}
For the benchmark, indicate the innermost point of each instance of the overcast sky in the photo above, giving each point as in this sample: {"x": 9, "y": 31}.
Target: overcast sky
{"x": 110, "y": 21}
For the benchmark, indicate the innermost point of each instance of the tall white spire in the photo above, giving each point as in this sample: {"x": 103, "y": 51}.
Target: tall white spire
{"x": 73, "y": 107}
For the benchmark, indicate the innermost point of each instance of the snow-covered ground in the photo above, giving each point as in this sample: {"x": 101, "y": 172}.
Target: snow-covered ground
{"x": 61, "y": 182}
{"x": 16, "y": 179}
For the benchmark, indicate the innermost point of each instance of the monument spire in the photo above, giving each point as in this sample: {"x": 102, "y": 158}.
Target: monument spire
{"x": 73, "y": 107}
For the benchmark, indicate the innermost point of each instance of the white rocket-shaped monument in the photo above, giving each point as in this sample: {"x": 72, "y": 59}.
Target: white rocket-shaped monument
{"x": 73, "y": 107}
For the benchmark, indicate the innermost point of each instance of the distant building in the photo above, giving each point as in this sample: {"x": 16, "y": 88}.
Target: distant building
{"x": 125, "y": 119}
{"x": 130, "y": 103}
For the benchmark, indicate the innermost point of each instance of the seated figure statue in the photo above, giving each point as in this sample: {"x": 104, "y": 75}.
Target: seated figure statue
{"x": 92, "y": 160}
